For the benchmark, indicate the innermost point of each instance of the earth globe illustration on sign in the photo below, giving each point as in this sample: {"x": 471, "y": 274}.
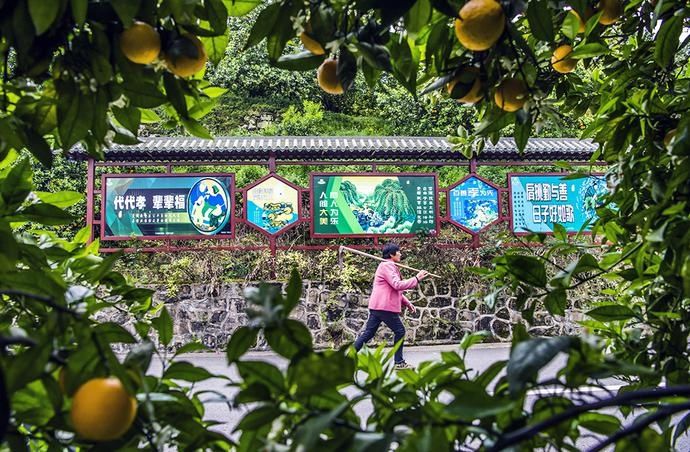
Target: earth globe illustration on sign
{"x": 208, "y": 206}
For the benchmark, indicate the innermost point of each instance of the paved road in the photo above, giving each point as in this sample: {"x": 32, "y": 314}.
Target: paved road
{"x": 478, "y": 358}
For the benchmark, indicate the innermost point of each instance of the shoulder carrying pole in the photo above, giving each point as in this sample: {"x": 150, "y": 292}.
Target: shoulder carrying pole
{"x": 362, "y": 253}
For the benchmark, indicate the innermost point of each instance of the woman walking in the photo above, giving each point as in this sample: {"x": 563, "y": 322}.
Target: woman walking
{"x": 387, "y": 300}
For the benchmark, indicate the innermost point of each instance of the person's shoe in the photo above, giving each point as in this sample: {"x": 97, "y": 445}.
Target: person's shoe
{"x": 402, "y": 365}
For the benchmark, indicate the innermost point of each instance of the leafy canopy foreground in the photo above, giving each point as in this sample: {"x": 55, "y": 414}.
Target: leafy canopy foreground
{"x": 65, "y": 81}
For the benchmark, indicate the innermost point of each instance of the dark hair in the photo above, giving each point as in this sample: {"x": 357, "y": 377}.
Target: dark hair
{"x": 390, "y": 249}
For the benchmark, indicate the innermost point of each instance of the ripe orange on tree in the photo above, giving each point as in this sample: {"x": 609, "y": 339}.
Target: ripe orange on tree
{"x": 140, "y": 43}
{"x": 327, "y": 76}
{"x": 102, "y": 409}
{"x": 589, "y": 12}
{"x": 668, "y": 138}
{"x": 511, "y": 94}
{"x": 310, "y": 43}
{"x": 186, "y": 56}
{"x": 560, "y": 60}
{"x": 467, "y": 76}
{"x": 479, "y": 24}
{"x": 611, "y": 10}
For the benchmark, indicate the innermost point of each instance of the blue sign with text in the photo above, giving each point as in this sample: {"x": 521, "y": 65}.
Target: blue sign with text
{"x": 473, "y": 204}
{"x": 538, "y": 201}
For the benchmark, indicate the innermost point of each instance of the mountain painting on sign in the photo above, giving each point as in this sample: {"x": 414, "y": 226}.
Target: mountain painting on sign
{"x": 355, "y": 205}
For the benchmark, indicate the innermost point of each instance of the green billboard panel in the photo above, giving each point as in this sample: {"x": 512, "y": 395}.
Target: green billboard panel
{"x": 169, "y": 206}
{"x": 357, "y": 205}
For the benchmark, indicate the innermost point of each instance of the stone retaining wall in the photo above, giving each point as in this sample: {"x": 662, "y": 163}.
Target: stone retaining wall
{"x": 444, "y": 314}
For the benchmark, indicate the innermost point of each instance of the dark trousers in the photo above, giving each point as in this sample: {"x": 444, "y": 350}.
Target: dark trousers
{"x": 392, "y": 321}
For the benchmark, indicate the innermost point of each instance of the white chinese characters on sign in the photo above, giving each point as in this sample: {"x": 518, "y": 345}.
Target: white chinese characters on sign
{"x": 425, "y": 205}
{"x": 142, "y": 202}
{"x": 548, "y": 192}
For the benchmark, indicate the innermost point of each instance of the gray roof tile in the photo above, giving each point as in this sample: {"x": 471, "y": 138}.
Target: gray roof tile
{"x": 422, "y": 149}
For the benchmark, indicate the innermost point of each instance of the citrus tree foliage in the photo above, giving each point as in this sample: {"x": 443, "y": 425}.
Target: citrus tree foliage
{"x": 88, "y": 73}
{"x": 441, "y": 405}
{"x": 525, "y": 57}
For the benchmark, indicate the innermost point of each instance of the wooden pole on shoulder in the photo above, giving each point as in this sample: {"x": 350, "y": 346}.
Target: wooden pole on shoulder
{"x": 362, "y": 253}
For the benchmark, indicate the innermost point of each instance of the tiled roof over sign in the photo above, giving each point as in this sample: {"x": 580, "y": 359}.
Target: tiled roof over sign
{"x": 422, "y": 149}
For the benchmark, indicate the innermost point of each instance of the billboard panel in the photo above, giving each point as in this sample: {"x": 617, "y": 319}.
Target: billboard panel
{"x": 473, "y": 203}
{"x": 272, "y": 204}
{"x": 167, "y": 206}
{"x": 357, "y": 205}
{"x": 537, "y": 201}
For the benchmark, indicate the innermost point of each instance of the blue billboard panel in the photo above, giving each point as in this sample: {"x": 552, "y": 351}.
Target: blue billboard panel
{"x": 538, "y": 201}
{"x": 167, "y": 206}
{"x": 473, "y": 204}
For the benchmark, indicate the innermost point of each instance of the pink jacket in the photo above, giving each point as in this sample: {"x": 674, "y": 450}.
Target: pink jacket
{"x": 387, "y": 293}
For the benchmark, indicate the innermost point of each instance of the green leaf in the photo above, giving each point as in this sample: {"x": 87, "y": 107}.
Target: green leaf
{"x": 26, "y": 366}
{"x": 32, "y": 404}
{"x": 528, "y": 357}
{"x": 667, "y": 41}
{"x": 43, "y": 14}
{"x": 418, "y": 17}
{"x": 522, "y": 133}
{"x": 281, "y": 33}
{"x": 527, "y": 269}
{"x": 471, "y": 339}
{"x": 560, "y": 233}
{"x": 16, "y": 186}
{"x": 261, "y": 372}
{"x": 586, "y": 263}
{"x": 681, "y": 427}
{"x": 111, "y": 332}
{"x": 540, "y": 20}
{"x": 472, "y": 402}
{"x": 370, "y": 441}
{"x": 555, "y": 302}
{"x": 62, "y": 199}
{"x": 258, "y": 418}
{"x": 191, "y": 347}
{"x": 264, "y": 24}
{"x": 75, "y": 114}
{"x": 289, "y": 338}
{"x": 238, "y": 8}
{"x": 149, "y": 116}
{"x": 126, "y": 10}
{"x": 143, "y": 94}
{"x": 241, "y": 340}
{"x": 604, "y": 424}
{"x": 294, "y": 290}
{"x": 39, "y": 147}
{"x": 217, "y": 14}
{"x": 182, "y": 370}
{"x": 79, "y": 8}
{"x": 215, "y": 46}
{"x": 589, "y": 51}
{"x": 129, "y": 117}
{"x": 164, "y": 325}
{"x": 303, "y": 61}
{"x": 319, "y": 371}
{"x": 139, "y": 356}
{"x": 196, "y": 128}
{"x": 571, "y": 26}
{"x": 173, "y": 90}
{"x": 611, "y": 312}
{"x": 42, "y": 213}
{"x": 308, "y": 434}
